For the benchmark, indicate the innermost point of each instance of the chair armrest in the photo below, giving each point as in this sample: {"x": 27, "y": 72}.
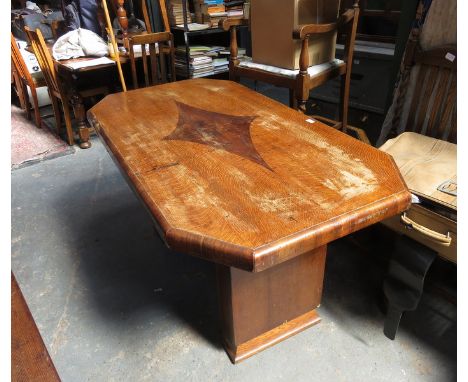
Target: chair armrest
{"x": 226, "y": 24}
{"x": 302, "y": 31}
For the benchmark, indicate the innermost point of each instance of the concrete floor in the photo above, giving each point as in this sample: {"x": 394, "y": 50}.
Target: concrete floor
{"x": 113, "y": 304}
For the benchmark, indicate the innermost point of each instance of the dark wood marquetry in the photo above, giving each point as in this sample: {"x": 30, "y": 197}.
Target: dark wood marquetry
{"x": 220, "y": 131}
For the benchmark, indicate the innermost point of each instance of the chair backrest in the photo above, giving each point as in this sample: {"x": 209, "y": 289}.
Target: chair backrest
{"x": 43, "y": 58}
{"x": 19, "y": 64}
{"x": 163, "y": 14}
{"x": 161, "y": 55}
{"x": 433, "y": 105}
{"x": 119, "y": 11}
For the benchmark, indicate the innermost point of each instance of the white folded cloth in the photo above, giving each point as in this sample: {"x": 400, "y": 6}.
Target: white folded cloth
{"x": 79, "y": 43}
{"x": 312, "y": 70}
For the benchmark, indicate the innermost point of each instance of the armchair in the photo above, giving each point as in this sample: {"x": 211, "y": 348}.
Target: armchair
{"x": 300, "y": 82}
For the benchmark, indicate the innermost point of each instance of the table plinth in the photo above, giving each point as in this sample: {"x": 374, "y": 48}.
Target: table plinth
{"x": 261, "y": 309}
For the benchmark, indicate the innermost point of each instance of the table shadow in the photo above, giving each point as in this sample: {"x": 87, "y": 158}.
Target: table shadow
{"x": 356, "y": 269}
{"x": 128, "y": 270}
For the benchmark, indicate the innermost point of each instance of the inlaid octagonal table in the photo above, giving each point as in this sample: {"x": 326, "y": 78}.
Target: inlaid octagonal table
{"x": 238, "y": 179}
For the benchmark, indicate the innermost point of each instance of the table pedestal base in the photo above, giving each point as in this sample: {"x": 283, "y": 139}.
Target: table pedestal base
{"x": 261, "y": 309}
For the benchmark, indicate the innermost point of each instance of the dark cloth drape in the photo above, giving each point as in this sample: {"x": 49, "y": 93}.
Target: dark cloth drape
{"x": 81, "y": 14}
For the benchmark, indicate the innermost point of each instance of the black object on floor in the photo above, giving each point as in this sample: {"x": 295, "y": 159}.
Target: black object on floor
{"x": 403, "y": 285}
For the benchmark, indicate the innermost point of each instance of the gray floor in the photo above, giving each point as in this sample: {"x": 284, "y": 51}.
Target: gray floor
{"x": 113, "y": 304}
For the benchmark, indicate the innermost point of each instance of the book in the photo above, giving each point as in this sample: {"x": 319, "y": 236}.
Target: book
{"x": 210, "y": 11}
{"x": 235, "y": 8}
{"x": 202, "y": 60}
{"x": 231, "y": 3}
{"x": 195, "y": 26}
{"x": 240, "y": 52}
{"x": 235, "y": 13}
{"x": 176, "y": 13}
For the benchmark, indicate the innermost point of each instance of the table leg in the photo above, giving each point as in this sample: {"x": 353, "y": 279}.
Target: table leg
{"x": 80, "y": 115}
{"x": 261, "y": 309}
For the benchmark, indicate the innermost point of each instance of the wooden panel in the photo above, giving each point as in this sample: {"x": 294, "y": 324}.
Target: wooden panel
{"x": 441, "y": 91}
{"x": 452, "y": 136}
{"x": 154, "y": 65}
{"x": 256, "y": 306}
{"x": 425, "y": 98}
{"x": 30, "y": 360}
{"x": 237, "y": 178}
{"x": 145, "y": 64}
{"x": 446, "y": 122}
{"x": 415, "y": 104}
{"x": 273, "y": 336}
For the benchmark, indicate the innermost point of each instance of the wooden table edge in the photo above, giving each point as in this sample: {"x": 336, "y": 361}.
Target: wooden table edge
{"x": 273, "y": 253}
{"x": 266, "y": 256}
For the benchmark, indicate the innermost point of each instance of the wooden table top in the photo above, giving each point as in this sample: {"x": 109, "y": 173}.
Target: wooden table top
{"x": 62, "y": 64}
{"x": 234, "y": 177}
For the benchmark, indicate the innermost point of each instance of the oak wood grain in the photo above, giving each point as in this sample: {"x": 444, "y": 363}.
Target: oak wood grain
{"x": 213, "y": 202}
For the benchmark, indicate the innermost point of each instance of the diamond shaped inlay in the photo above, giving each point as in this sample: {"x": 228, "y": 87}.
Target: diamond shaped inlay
{"x": 221, "y": 131}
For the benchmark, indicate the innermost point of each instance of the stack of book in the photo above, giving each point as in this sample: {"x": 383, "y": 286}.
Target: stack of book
{"x": 220, "y": 62}
{"x": 210, "y": 11}
{"x": 200, "y": 64}
{"x": 203, "y": 61}
{"x": 234, "y": 8}
{"x": 220, "y": 65}
{"x": 176, "y": 13}
{"x": 226, "y": 52}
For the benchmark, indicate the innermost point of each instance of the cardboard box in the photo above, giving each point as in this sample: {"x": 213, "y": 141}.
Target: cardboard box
{"x": 272, "y": 25}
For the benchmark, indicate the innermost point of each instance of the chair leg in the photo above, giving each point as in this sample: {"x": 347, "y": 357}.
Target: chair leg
{"x": 292, "y": 99}
{"x": 26, "y": 101}
{"x": 37, "y": 114}
{"x": 20, "y": 90}
{"x": 344, "y": 100}
{"x": 57, "y": 113}
{"x": 233, "y": 77}
{"x": 68, "y": 123}
{"x": 301, "y": 104}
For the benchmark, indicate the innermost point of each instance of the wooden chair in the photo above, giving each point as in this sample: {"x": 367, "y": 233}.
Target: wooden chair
{"x": 56, "y": 91}
{"x": 301, "y": 81}
{"x": 119, "y": 10}
{"x": 433, "y": 106}
{"x": 161, "y": 48}
{"x": 23, "y": 80}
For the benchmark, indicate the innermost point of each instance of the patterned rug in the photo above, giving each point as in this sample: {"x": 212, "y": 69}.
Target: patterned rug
{"x": 29, "y": 144}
